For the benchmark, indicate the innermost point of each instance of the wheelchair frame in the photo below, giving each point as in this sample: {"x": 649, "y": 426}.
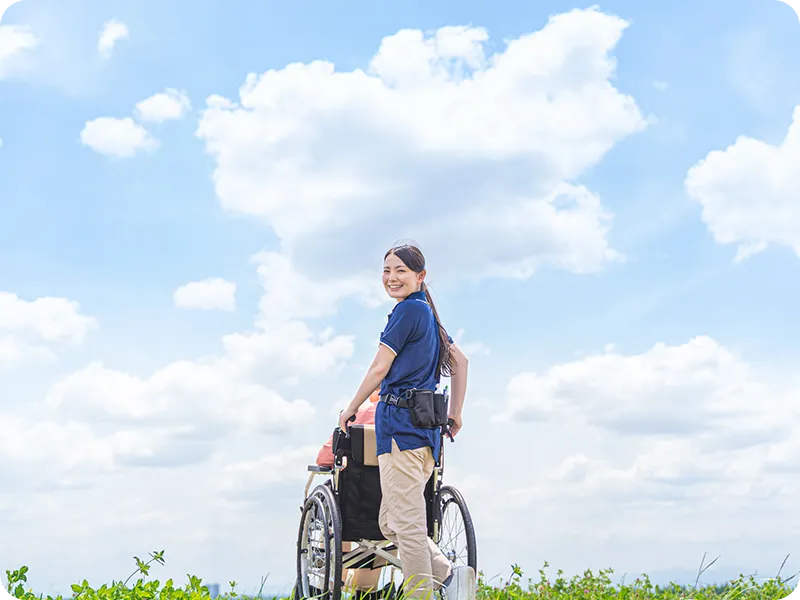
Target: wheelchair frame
{"x": 327, "y": 497}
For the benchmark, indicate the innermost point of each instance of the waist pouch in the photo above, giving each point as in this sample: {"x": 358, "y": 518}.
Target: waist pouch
{"x": 428, "y": 409}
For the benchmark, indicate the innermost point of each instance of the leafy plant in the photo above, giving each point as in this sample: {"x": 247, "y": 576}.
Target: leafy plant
{"x": 587, "y": 586}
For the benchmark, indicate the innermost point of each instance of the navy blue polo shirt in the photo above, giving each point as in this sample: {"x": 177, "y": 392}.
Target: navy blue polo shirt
{"x": 412, "y": 334}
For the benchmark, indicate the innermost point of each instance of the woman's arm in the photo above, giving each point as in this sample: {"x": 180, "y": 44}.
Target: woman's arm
{"x": 459, "y": 380}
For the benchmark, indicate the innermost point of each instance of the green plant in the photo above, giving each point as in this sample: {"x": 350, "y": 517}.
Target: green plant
{"x": 586, "y": 586}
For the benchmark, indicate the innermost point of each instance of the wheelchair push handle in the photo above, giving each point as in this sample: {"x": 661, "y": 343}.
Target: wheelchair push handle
{"x": 450, "y": 423}
{"x": 346, "y": 428}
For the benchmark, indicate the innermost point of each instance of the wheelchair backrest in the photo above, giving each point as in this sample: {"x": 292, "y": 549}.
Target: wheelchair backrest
{"x": 360, "y": 447}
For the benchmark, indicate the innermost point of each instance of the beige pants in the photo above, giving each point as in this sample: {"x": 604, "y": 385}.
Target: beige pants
{"x": 403, "y": 520}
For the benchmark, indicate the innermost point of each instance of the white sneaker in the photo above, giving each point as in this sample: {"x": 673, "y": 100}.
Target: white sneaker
{"x": 462, "y": 586}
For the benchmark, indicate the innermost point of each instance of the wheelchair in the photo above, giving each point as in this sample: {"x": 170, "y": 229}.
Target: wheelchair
{"x": 345, "y": 508}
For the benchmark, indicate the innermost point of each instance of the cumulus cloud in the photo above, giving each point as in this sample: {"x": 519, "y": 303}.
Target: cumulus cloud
{"x": 179, "y": 416}
{"x": 124, "y": 137}
{"x": 113, "y": 31}
{"x": 286, "y": 350}
{"x": 171, "y": 104}
{"x": 290, "y": 294}
{"x": 72, "y": 455}
{"x": 14, "y": 41}
{"x": 672, "y": 422}
{"x": 117, "y": 137}
{"x": 693, "y": 388}
{"x": 748, "y": 192}
{"x": 251, "y": 479}
{"x": 673, "y": 443}
{"x": 484, "y": 145}
{"x": 30, "y": 328}
{"x": 207, "y": 397}
{"x": 50, "y": 318}
{"x": 183, "y": 413}
{"x": 14, "y": 351}
{"x": 211, "y": 294}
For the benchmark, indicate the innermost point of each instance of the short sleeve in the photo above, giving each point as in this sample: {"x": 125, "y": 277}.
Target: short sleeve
{"x": 402, "y": 324}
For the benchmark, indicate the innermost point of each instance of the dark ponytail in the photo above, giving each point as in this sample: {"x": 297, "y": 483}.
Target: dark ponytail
{"x": 413, "y": 258}
{"x": 446, "y": 364}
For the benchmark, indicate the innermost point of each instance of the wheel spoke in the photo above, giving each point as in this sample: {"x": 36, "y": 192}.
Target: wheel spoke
{"x": 319, "y": 551}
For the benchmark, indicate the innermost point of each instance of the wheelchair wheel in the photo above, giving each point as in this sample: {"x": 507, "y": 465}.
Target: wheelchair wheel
{"x": 319, "y": 548}
{"x": 456, "y": 531}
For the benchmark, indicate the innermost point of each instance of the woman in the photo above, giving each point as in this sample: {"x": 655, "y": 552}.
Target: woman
{"x": 414, "y": 352}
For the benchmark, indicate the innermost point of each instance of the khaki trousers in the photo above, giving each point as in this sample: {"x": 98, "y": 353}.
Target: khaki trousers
{"x": 403, "y": 520}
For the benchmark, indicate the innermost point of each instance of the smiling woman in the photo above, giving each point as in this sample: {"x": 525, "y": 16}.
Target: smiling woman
{"x": 414, "y": 352}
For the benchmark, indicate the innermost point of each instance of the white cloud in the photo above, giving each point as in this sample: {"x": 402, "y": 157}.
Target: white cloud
{"x": 211, "y": 294}
{"x": 28, "y": 328}
{"x": 485, "y": 146}
{"x": 113, "y": 31}
{"x": 289, "y": 294}
{"x": 123, "y": 137}
{"x": 183, "y": 413}
{"x": 698, "y": 387}
{"x": 674, "y": 444}
{"x": 14, "y": 351}
{"x": 748, "y": 192}
{"x": 692, "y": 421}
{"x": 254, "y": 478}
{"x": 283, "y": 351}
{"x": 117, "y": 137}
{"x": 72, "y": 455}
{"x": 52, "y": 319}
{"x": 206, "y": 399}
{"x": 14, "y": 40}
{"x": 171, "y": 104}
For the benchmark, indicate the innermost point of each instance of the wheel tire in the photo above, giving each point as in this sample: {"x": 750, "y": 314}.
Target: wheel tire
{"x": 449, "y": 497}
{"x": 321, "y": 501}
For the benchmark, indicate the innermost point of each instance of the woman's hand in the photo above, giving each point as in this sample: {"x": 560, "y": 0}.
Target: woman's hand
{"x": 344, "y": 416}
{"x": 456, "y": 426}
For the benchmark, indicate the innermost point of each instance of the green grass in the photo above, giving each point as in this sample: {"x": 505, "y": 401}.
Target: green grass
{"x": 587, "y": 586}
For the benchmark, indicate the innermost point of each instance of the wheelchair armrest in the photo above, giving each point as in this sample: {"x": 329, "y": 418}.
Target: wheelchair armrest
{"x": 318, "y": 469}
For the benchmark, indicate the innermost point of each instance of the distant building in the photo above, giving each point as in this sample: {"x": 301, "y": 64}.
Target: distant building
{"x": 213, "y": 590}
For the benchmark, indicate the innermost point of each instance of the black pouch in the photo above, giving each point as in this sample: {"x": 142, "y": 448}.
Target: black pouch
{"x": 428, "y": 409}
{"x": 440, "y": 408}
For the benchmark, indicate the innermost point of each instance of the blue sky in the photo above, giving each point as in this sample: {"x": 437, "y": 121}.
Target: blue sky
{"x": 113, "y": 237}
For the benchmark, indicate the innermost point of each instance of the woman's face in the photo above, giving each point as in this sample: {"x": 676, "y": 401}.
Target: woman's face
{"x": 398, "y": 280}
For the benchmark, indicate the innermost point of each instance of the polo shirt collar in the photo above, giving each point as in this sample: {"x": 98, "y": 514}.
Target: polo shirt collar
{"x": 417, "y": 296}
